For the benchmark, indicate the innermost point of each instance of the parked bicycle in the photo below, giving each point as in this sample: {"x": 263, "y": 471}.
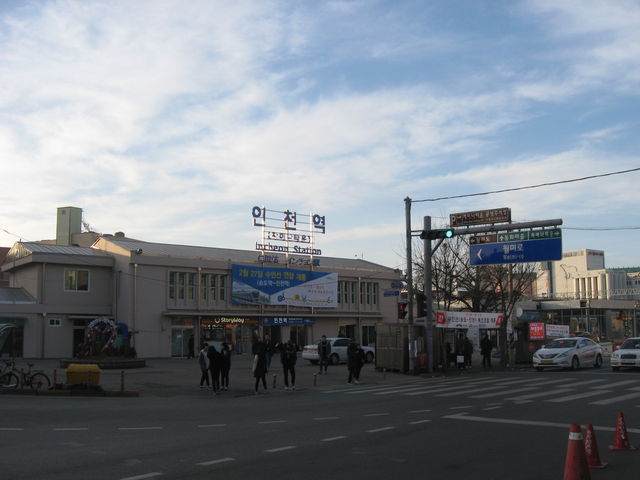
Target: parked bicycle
{"x": 11, "y": 377}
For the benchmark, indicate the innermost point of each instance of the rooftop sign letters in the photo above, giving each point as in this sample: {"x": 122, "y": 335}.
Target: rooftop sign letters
{"x": 480, "y": 217}
{"x": 286, "y": 228}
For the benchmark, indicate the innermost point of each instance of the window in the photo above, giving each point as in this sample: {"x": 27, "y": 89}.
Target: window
{"x": 76, "y": 280}
{"x": 55, "y": 322}
{"x": 172, "y": 285}
{"x": 213, "y": 287}
{"x": 191, "y": 290}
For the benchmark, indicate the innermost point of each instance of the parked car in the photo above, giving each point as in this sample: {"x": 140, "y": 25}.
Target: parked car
{"x": 627, "y": 354}
{"x": 338, "y": 351}
{"x": 571, "y": 352}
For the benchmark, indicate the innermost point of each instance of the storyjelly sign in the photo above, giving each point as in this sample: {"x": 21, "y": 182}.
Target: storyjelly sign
{"x": 283, "y": 286}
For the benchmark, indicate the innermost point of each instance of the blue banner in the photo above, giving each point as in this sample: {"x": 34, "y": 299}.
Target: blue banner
{"x": 282, "y": 286}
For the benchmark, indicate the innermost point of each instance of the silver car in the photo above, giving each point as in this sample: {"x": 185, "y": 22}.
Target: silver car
{"x": 627, "y": 355}
{"x": 571, "y": 352}
{"x": 338, "y": 351}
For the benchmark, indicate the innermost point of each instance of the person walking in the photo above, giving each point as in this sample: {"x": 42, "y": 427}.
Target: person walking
{"x": 486, "y": 345}
{"x": 467, "y": 348}
{"x": 203, "y": 361}
{"x": 269, "y": 350}
{"x": 289, "y": 357}
{"x": 260, "y": 366}
{"x": 190, "y": 347}
{"x": 324, "y": 351}
{"x": 225, "y": 365}
{"x": 355, "y": 360}
{"x": 215, "y": 363}
{"x": 511, "y": 343}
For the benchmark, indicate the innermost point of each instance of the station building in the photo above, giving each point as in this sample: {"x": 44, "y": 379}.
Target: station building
{"x": 164, "y": 293}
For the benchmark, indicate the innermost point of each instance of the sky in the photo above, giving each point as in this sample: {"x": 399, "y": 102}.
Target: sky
{"x": 170, "y": 120}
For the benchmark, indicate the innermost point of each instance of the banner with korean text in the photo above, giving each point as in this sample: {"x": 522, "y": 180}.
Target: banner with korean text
{"x": 468, "y": 319}
{"x": 283, "y": 286}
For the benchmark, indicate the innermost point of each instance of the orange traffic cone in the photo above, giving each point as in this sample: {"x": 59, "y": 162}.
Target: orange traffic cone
{"x": 575, "y": 465}
{"x": 621, "y": 441}
{"x": 591, "y": 448}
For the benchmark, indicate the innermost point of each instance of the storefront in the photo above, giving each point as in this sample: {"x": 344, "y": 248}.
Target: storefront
{"x": 294, "y": 329}
{"x": 235, "y": 331}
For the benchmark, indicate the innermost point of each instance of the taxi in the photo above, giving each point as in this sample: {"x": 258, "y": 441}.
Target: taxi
{"x": 570, "y": 352}
{"x": 627, "y": 354}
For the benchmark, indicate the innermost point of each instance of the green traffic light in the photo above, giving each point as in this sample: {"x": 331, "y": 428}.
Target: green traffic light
{"x": 448, "y": 233}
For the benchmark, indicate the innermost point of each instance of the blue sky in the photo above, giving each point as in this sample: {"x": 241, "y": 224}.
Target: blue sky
{"x": 170, "y": 120}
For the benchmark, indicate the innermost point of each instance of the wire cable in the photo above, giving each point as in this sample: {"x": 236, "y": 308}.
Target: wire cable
{"x": 548, "y": 184}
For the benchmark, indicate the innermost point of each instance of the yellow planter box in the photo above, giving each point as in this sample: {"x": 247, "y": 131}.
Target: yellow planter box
{"x": 83, "y": 374}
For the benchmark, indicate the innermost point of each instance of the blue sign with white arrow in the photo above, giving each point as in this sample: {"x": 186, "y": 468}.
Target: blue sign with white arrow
{"x": 516, "y": 252}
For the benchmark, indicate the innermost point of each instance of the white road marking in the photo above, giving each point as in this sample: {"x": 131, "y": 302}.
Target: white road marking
{"x": 146, "y": 475}
{"x": 333, "y": 439}
{"x": 139, "y": 428}
{"x": 280, "y": 449}
{"x": 417, "y": 422}
{"x": 492, "y": 408}
{"x": 615, "y": 399}
{"x": 453, "y": 390}
{"x": 419, "y": 411}
{"x": 582, "y": 383}
{"x": 461, "y": 407}
{"x": 533, "y": 423}
{"x": 327, "y": 418}
{"x": 513, "y": 382}
{"x": 541, "y": 394}
{"x": 71, "y": 429}
{"x": 10, "y": 429}
{"x": 269, "y": 422}
{"x": 578, "y": 396}
{"x": 503, "y": 392}
{"x": 383, "y": 429}
{"x": 214, "y": 425}
{"x": 215, "y": 462}
{"x": 616, "y": 384}
{"x": 475, "y": 390}
{"x": 550, "y": 382}
{"x": 376, "y": 414}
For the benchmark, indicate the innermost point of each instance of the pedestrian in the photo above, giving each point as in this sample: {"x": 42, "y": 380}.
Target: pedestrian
{"x": 288, "y": 357}
{"x": 512, "y": 350}
{"x": 225, "y": 366}
{"x": 324, "y": 351}
{"x": 191, "y": 347}
{"x": 203, "y": 361}
{"x": 215, "y": 363}
{"x": 485, "y": 349}
{"x": 467, "y": 348}
{"x": 260, "y": 366}
{"x": 450, "y": 357}
{"x": 355, "y": 360}
{"x": 269, "y": 349}
{"x": 459, "y": 351}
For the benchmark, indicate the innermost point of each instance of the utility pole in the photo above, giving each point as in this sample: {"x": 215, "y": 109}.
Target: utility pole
{"x": 409, "y": 279}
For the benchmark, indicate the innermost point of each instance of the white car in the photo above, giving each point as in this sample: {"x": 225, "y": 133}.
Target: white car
{"x": 571, "y": 352}
{"x": 627, "y": 354}
{"x": 338, "y": 351}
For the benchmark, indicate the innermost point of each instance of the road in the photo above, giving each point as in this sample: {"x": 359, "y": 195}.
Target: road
{"x": 489, "y": 425}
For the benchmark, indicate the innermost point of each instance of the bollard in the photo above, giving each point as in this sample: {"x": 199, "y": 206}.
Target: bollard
{"x": 315, "y": 379}
{"x": 122, "y": 380}
{"x": 274, "y": 381}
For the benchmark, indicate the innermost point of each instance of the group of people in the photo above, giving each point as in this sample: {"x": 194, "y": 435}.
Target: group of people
{"x": 355, "y": 359}
{"x": 215, "y": 364}
{"x": 263, "y": 351}
{"x": 462, "y": 354}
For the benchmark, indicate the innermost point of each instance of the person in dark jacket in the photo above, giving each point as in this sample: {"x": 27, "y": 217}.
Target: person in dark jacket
{"x": 203, "y": 361}
{"x": 467, "y": 348}
{"x": 289, "y": 357}
{"x": 215, "y": 364}
{"x": 355, "y": 360}
{"x": 486, "y": 345}
{"x": 324, "y": 352}
{"x": 225, "y": 365}
{"x": 260, "y": 366}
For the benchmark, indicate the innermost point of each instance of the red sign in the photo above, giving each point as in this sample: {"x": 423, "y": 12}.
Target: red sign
{"x": 536, "y": 331}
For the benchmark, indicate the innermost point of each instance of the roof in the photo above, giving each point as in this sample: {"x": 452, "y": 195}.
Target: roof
{"x": 25, "y": 252}
{"x": 15, "y": 296}
{"x": 214, "y": 253}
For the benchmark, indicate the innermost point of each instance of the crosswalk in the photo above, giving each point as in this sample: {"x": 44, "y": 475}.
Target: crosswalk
{"x": 596, "y": 391}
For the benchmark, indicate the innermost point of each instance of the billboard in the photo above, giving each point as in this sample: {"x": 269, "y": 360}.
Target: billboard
{"x": 468, "y": 319}
{"x": 254, "y": 285}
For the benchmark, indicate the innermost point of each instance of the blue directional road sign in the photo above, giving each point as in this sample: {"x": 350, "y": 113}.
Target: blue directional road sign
{"x": 516, "y": 252}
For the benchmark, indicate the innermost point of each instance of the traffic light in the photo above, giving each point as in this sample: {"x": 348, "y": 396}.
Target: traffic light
{"x": 437, "y": 233}
{"x": 402, "y": 310}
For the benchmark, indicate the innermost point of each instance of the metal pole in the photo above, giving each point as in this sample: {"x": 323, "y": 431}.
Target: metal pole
{"x": 428, "y": 297}
{"x": 409, "y": 280}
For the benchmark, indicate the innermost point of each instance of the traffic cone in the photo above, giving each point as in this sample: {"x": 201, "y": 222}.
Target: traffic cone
{"x": 621, "y": 441}
{"x": 575, "y": 465}
{"x": 591, "y": 448}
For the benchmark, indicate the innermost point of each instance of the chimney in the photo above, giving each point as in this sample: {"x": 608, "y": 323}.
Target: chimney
{"x": 69, "y": 223}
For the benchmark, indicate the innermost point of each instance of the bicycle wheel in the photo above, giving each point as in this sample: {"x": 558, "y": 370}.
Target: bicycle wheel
{"x": 39, "y": 381}
{"x": 9, "y": 380}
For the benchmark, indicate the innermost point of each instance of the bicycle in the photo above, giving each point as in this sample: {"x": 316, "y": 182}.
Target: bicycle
{"x": 36, "y": 379}
{"x": 8, "y": 377}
